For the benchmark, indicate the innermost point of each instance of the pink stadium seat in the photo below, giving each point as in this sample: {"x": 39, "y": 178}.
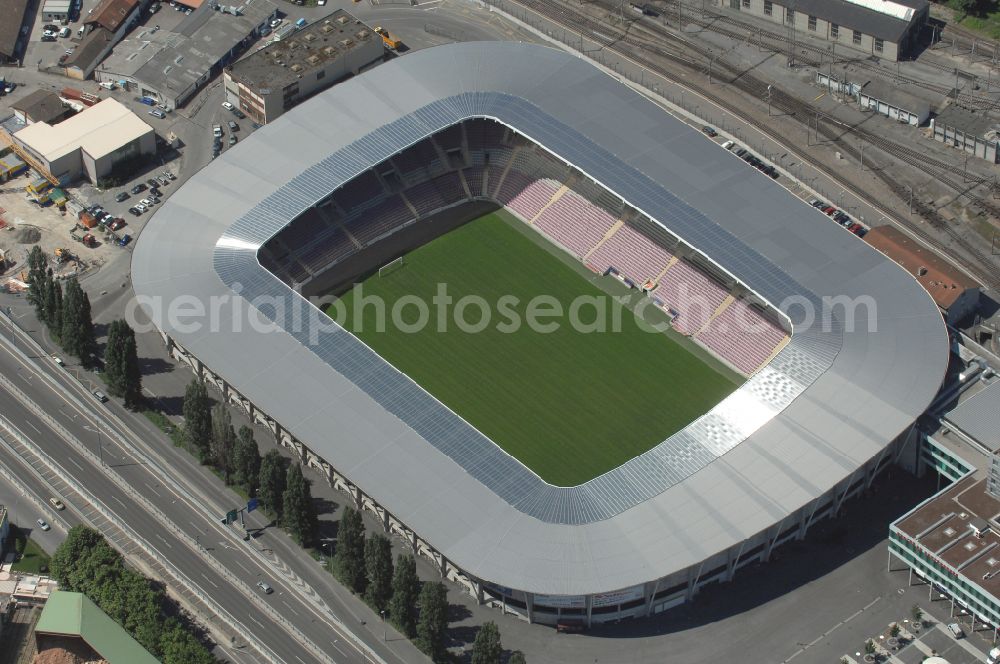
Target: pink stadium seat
{"x": 741, "y": 336}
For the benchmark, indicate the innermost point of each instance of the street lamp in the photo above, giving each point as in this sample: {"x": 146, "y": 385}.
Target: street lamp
{"x": 384, "y": 628}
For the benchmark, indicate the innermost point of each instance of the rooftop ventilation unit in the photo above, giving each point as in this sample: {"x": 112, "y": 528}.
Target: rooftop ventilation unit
{"x": 296, "y": 68}
{"x": 887, "y": 7}
{"x": 313, "y": 60}
{"x": 346, "y": 43}
{"x": 310, "y": 37}
{"x": 342, "y": 20}
{"x": 979, "y": 527}
{"x": 327, "y": 28}
{"x": 362, "y": 35}
{"x": 329, "y": 51}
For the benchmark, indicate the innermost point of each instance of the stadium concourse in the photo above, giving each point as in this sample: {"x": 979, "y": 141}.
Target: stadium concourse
{"x": 852, "y": 349}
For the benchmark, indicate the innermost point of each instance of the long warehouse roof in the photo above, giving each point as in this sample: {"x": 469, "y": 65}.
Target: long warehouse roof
{"x": 832, "y": 399}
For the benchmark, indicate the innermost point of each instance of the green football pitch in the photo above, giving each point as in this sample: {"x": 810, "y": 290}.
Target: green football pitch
{"x": 570, "y": 404}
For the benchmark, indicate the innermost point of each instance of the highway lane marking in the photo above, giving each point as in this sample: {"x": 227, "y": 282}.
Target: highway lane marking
{"x": 160, "y": 537}
{"x": 300, "y": 659}
{"x": 74, "y": 462}
{"x": 242, "y": 567}
{"x": 214, "y": 586}
{"x": 253, "y": 618}
{"x": 37, "y": 430}
{"x": 289, "y": 607}
{"x": 152, "y": 489}
{"x": 119, "y": 501}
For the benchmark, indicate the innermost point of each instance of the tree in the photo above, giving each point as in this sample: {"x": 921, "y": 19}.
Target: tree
{"x": 963, "y": 7}
{"x": 246, "y": 460}
{"x": 53, "y": 305}
{"x": 223, "y": 441}
{"x": 77, "y": 329}
{"x": 52, "y": 319}
{"x": 272, "y": 482}
{"x": 869, "y": 647}
{"x": 36, "y": 281}
{"x": 486, "y": 649}
{"x": 433, "y": 620}
{"x": 197, "y": 411}
{"x": 378, "y": 571}
{"x": 121, "y": 364}
{"x": 297, "y": 505}
{"x": 917, "y": 614}
{"x": 405, "y": 591}
{"x": 894, "y": 630}
{"x": 516, "y": 658}
{"x": 349, "y": 556}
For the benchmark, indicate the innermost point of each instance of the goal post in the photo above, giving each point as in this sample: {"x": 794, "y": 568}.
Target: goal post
{"x": 390, "y": 267}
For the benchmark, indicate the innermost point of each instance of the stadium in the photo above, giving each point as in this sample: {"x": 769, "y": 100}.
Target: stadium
{"x": 654, "y": 463}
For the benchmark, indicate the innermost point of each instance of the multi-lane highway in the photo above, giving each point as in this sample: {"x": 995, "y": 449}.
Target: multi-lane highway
{"x": 53, "y": 430}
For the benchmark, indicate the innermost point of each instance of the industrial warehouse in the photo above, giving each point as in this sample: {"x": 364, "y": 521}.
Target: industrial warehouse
{"x": 755, "y": 471}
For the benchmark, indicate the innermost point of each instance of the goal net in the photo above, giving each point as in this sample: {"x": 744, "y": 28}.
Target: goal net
{"x": 390, "y": 267}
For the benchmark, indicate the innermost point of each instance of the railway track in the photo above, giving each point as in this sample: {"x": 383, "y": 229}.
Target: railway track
{"x": 638, "y": 43}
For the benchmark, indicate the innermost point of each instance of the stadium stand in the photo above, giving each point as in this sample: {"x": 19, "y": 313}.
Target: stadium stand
{"x": 742, "y": 336}
{"x": 632, "y": 254}
{"x": 388, "y": 216}
{"x": 574, "y": 223}
{"x": 571, "y": 210}
{"x": 691, "y": 292}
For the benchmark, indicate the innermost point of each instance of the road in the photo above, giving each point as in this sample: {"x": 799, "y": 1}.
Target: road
{"x": 45, "y": 404}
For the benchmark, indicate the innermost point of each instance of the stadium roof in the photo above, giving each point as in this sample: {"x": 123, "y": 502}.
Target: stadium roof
{"x": 99, "y": 130}
{"x": 829, "y": 402}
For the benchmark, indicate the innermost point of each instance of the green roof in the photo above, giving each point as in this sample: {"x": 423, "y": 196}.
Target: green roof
{"x": 72, "y": 614}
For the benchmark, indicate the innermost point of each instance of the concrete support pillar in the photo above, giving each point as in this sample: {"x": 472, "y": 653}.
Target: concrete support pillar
{"x": 589, "y": 603}
{"x": 224, "y": 387}
{"x": 385, "y": 520}
{"x": 413, "y": 544}
{"x": 480, "y": 595}
{"x": 356, "y": 494}
{"x": 693, "y": 576}
{"x": 199, "y": 369}
{"x": 529, "y": 602}
{"x": 169, "y": 343}
{"x": 442, "y": 566}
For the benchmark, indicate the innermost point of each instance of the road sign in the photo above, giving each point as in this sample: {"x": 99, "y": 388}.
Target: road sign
{"x": 229, "y": 518}
{"x": 252, "y": 504}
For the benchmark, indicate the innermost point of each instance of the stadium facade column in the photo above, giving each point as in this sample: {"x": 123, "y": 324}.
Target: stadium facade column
{"x": 806, "y": 521}
{"x": 414, "y": 543}
{"x": 168, "y": 342}
{"x": 589, "y": 603}
{"x": 693, "y": 576}
{"x": 529, "y": 605}
{"x": 733, "y": 558}
{"x": 358, "y": 497}
{"x": 385, "y": 519}
{"x": 650, "y": 591}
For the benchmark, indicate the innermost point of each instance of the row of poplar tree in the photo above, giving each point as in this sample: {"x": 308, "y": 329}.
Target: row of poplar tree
{"x": 65, "y": 311}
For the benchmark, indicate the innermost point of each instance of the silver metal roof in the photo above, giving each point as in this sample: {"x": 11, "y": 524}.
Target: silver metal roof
{"x": 831, "y": 400}
{"x": 977, "y": 416}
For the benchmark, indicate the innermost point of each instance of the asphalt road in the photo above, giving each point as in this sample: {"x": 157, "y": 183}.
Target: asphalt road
{"x": 193, "y": 523}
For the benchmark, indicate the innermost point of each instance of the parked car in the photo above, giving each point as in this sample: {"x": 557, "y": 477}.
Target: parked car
{"x": 65, "y": 32}
{"x": 818, "y": 204}
{"x": 58, "y": 360}
{"x": 125, "y": 240}
{"x": 134, "y": 211}
{"x": 139, "y": 188}
{"x": 232, "y": 139}
{"x": 154, "y": 192}
{"x": 50, "y": 38}
{"x": 100, "y": 396}
{"x": 157, "y": 113}
{"x": 163, "y": 180}
{"x": 217, "y": 130}
{"x": 841, "y": 217}
{"x": 116, "y": 224}
{"x": 233, "y": 126}
{"x": 276, "y": 22}
{"x": 148, "y": 101}
{"x": 709, "y": 131}
{"x": 956, "y": 630}
{"x": 170, "y": 175}
{"x": 44, "y": 525}
{"x": 226, "y": 105}
{"x": 238, "y": 113}
{"x": 121, "y": 196}
{"x": 56, "y": 503}
{"x": 49, "y": 27}
{"x": 728, "y": 144}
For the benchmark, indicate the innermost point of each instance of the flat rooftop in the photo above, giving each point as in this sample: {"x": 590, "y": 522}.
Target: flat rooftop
{"x": 973, "y": 122}
{"x": 282, "y": 63}
{"x": 976, "y": 416}
{"x": 947, "y": 524}
{"x": 100, "y": 129}
{"x": 943, "y": 281}
{"x": 204, "y": 38}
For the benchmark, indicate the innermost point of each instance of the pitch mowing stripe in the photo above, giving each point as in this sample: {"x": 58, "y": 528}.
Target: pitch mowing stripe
{"x": 569, "y": 405}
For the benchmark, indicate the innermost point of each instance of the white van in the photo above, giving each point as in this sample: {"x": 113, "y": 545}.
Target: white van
{"x": 79, "y": 32}
{"x": 993, "y": 657}
{"x": 65, "y": 32}
{"x": 107, "y": 85}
